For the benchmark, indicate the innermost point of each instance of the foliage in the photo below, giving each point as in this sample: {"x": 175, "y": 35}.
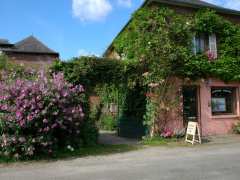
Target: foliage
{"x": 11, "y": 71}
{"x": 96, "y": 150}
{"x": 160, "y": 141}
{"x": 236, "y": 128}
{"x": 108, "y": 122}
{"x": 151, "y": 114}
{"x": 156, "y": 46}
{"x": 41, "y": 115}
{"x": 114, "y": 81}
{"x": 90, "y": 71}
{"x": 161, "y": 39}
{"x": 158, "y": 37}
{"x": 3, "y": 61}
{"x": 93, "y": 71}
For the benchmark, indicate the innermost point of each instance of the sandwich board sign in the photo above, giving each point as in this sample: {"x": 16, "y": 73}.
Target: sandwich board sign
{"x": 193, "y": 133}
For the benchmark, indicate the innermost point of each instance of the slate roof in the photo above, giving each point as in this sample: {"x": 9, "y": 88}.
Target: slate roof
{"x": 28, "y": 45}
{"x": 4, "y": 42}
{"x": 196, "y": 4}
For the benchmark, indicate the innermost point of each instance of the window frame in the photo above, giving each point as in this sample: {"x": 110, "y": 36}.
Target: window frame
{"x": 205, "y": 44}
{"x": 233, "y": 101}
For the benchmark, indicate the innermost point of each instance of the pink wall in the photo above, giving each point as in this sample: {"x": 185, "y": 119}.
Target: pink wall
{"x": 172, "y": 118}
{"x": 209, "y": 124}
{"x": 215, "y": 125}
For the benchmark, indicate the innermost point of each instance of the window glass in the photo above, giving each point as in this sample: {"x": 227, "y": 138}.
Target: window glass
{"x": 223, "y": 101}
{"x": 202, "y": 43}
{"x": 205, "y": 44}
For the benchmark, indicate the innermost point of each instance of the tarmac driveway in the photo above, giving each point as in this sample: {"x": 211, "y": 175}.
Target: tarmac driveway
{"x": 219, "y": 161}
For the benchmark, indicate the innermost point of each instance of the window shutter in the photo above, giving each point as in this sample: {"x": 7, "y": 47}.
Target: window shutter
{"x": 194, "y": 49}
{"x": 213, "y": 45}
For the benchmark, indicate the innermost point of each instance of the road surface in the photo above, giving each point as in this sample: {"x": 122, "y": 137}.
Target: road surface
{"x": 206, "y": 162}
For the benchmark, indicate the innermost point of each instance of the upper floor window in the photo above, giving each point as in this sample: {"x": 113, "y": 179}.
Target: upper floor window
{"x": 203, "y": 43}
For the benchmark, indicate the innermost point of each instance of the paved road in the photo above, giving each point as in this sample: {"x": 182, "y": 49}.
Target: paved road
{"x": 207, "y": 162}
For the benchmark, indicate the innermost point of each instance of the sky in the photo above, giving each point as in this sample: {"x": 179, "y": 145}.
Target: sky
{"x": 72, "y": 27}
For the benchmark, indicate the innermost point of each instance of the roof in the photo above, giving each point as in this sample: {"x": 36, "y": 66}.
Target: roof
{"x": 29, "y": 45}
{"x": 33, "y": 45}
{"x": 5, "y": 42}
{"x": 196, "y": 4}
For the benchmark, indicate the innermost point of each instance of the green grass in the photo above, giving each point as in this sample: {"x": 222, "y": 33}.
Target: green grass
{"x": 4, "y": 159}
{"x": 102, "y": 150}
{"x": 96, "y": 151}
{"x": 82, "y": 152}
{"x": 159, "y": 141}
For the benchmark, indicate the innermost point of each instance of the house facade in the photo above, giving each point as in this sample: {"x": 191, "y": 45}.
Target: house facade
{"x": 29, "y": 52}
{"x": 213, "y": 103}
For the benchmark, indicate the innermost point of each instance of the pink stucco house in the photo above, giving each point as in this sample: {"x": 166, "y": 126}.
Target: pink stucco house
{"x": 214, "y": 104}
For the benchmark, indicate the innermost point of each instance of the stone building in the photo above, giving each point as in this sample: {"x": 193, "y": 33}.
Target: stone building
{"x": 29, "y": 52}
{"x": 211, "y": 102}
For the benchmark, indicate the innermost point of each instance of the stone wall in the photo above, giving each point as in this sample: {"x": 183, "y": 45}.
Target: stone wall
{"x": 32, "y": 60}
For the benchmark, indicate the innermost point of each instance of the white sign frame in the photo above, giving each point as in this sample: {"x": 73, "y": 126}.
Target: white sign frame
{"x": 193, "y": 130}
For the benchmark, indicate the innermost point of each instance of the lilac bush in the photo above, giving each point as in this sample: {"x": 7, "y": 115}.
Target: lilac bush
{"x": 40, "y": 115}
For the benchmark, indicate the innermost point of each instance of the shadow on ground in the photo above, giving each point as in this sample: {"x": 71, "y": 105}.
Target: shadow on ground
{"x": 111, "y": 138}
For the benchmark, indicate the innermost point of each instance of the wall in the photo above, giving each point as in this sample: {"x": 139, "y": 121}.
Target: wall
{"x": 209, "y": 124}
{"x": 189, "y": 11}
{"x": 32, "y": 60}
{"x": 216, "y": 125}
{"x": 170, "y": 115}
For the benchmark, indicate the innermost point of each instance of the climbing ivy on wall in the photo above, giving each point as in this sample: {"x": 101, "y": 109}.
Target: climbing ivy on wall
{"x": 162, "y": 39}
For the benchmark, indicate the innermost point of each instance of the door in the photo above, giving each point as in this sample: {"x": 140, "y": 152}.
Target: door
{"x": 190, "y": 104}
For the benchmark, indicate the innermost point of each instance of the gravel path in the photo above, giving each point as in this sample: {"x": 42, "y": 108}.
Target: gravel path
{"x": 214, "y": 161}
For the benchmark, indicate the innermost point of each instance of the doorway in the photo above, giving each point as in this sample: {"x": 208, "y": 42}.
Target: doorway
{"x": 190, "y": 104}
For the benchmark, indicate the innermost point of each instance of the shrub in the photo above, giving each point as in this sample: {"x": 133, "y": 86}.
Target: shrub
{"x": 236, "y": 128}
{"x": 3, "y": 61}
{"x": 11, "y": 71}
{"x": 114, "y": 81}
{"x": 40, "y": 116}
{"x": 108, "y": 122}
{"x": 167, "y": 133}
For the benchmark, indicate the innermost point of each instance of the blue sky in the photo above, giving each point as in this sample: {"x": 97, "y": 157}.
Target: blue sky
{"x": 71, "y": 27}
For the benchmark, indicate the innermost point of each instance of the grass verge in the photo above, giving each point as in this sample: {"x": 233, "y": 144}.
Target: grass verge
{"x": 160, "y": 141}
{"x": 101, "y": 149}
{"x": 96, "y": 151}
{"x": 82, "y": 152}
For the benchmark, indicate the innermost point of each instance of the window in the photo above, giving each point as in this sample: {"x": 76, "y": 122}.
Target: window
{"x": 204, "y": 43}
{"x": 201, "y": 43}
{"x": 223, "y": 101}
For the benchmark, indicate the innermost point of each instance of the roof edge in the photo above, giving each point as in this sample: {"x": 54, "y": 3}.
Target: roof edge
{"x": 31, "y": 52}
{"x": 217, "y": 8}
